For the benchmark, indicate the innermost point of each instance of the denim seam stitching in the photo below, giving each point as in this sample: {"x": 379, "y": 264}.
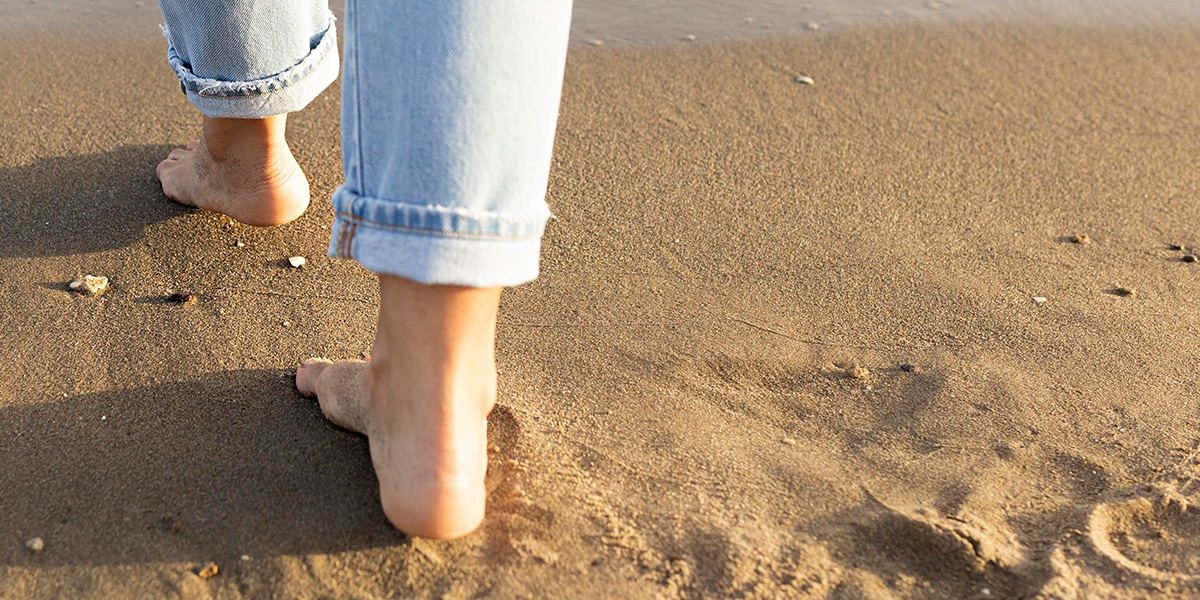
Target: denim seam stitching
{"x": 362, "y": 176}
{"x": 357, "y": 220}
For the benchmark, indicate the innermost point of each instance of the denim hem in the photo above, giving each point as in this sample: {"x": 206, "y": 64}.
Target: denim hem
{"x": 432, "y": 219}
{"x": 433, "y": 259}
{"x": 287, "y": 91}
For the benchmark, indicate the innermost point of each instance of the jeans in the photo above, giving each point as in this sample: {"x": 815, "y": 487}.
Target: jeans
{"x": 448, "y": 117}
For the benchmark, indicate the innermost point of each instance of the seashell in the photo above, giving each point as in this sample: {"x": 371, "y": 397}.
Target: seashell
{"x": 90, "y": 285}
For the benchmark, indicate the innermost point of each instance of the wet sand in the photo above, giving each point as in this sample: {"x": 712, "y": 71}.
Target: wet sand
{"x": 677, "y": 417}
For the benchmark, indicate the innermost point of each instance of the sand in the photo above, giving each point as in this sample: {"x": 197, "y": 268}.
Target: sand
{"x": 677, "y": 416}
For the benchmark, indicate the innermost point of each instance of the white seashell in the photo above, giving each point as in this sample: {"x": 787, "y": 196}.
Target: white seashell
{"x": 297, "y": 261}
{"x": 90, "y": 285}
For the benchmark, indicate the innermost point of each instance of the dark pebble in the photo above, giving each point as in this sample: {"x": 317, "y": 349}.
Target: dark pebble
{"x": 182, "y": 298}
{"x": 907, "y": 368}
{"x": 1189, "y": 258}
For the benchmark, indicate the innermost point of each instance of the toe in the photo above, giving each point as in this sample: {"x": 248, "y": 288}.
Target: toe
{"x": 192, "y": 145}
{"x": 308, "y": 374}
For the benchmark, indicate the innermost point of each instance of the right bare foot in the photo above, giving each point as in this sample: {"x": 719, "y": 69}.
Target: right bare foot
{"x": 242, "y": 168}
{"x": 422, "y": 401}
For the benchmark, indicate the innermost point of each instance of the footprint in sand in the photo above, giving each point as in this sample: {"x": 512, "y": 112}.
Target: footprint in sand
{"x": 970, "y": 540}
{"x": 1157, "y": 538}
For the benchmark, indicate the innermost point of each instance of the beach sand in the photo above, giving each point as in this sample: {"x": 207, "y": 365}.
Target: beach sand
{"x": 676, "y": 415}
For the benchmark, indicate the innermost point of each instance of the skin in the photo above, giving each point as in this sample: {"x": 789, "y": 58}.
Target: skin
{"x": 242, "y": 168}
{"x": 424, "y": 397}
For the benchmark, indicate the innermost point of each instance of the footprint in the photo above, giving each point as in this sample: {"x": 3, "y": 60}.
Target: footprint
{"x": 972, "y": 541}
{"x": 504, "y": 437}
{"x": 1157, "y": 538}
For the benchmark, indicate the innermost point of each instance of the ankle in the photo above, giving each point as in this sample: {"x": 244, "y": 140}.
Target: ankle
{"x": 438, "y": 341}
{"x": 228, "y": 138}
{"x": 445, "y": 396}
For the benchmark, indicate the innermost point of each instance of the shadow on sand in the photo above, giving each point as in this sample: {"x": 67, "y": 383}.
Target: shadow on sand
{"x": 67, "y": 205}
{"x": 233, "y": 463}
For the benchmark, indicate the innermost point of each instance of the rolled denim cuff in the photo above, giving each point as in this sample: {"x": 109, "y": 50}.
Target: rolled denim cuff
{"x": 287, "y": 91}
{"x": 434, "y": 244}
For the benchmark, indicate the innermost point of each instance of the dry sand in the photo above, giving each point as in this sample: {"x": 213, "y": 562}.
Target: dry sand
{"x": 676, "y": 416}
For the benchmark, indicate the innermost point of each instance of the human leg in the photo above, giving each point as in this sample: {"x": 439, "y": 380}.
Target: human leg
{"x": 422, "y": 401}
{"x": 245, "y": 65}
{"x": 448, "y": 118}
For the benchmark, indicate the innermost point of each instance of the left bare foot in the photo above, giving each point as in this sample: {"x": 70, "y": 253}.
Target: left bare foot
{"x": 242, "y": 168}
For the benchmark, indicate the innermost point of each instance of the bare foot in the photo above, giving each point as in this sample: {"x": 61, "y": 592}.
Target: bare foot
{"x": 340, "y": 392}
{"x": 242, "y": 168}
{"x": 422, "y": 402}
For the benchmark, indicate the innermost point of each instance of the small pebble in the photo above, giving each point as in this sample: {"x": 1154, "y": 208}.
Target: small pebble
{"x": 493, "y": 448}
{"x": 245, "y": 557}
{"x": 1189, "y": 258}
{"x": 287, "y": 323}
{"x": 241, "y": 244}
{"x": 788, "y": 442}
{"x": 597, "y": 42}
{"x": 749, "y": 20}
{"x": 814, "y": 26}
{"x": 209, "y": 571}
{"x": 35, "y": 544}
{"x": 1126, "y": 292}
{"x": 858, "y": 372}
{"x": 1081, "y": 239}
{"x": 297, "y": 261}
{"x": 1176, "y": 247}
{"x": 885, "y": 12}
{"x": 690, "y": 38}
{"x": 907, "y": 368}
{"x": 90, "y": 285}
{"x": 1039, "y": 299}
{"x": 182, "y": 298}
{"x": 805, "y": 79}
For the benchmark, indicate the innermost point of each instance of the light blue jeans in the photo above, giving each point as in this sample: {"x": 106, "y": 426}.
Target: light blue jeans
{"x": 448, "y": 117}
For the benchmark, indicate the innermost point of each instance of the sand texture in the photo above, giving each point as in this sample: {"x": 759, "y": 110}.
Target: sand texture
{"x": 677, "y": 415}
